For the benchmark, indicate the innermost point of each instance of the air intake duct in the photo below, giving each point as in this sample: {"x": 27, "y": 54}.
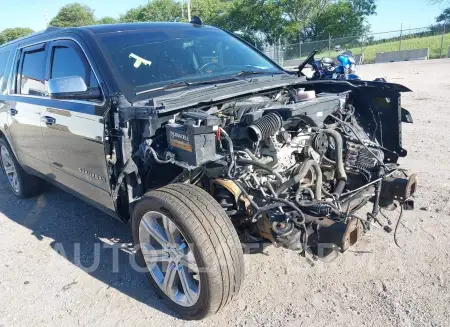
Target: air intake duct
{"x": 265, "y": 127}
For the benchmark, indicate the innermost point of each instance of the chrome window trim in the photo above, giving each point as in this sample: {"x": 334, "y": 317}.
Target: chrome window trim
{"x": 5, "y": 76}
{"x": 13, "y": 83}
{"x": 62, "y": 100}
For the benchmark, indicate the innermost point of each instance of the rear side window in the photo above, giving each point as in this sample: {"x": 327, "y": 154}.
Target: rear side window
{"x": 3, "y": 75}
{"x": 32, "y": 78}
{"x": 67, "y": 62}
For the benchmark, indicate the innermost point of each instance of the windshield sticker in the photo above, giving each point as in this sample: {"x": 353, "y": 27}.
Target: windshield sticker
{"x": 139, "y": 60}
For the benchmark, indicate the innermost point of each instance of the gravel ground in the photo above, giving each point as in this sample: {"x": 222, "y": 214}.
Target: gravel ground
{"x": 373, "y": 284}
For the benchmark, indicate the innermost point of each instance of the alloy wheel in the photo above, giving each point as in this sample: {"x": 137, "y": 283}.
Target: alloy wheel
{"x": 9, "y": 169}
{"x": 169, "y": 258}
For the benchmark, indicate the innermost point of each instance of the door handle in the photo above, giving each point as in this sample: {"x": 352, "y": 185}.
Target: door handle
{"x": 13, "y": 111}
{"x": 47, "y": 120}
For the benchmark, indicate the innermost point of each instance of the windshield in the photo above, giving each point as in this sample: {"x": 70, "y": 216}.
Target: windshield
{"x": 147, "y": 59}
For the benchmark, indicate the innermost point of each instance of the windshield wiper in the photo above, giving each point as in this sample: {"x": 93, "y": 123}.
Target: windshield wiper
{"x": 249, "y": 72}
{"x": 180, "y": 84}
{"x": 166, "y": 87}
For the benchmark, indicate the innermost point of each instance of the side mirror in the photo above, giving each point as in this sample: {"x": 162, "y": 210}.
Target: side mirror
{"x": 72, "y": 87}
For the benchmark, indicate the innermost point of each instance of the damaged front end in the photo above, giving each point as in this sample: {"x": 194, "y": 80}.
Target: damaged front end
{"x": 293, "y": 165}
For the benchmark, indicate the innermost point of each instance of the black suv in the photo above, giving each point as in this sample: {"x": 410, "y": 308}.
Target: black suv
{"x": 200, "y": 142}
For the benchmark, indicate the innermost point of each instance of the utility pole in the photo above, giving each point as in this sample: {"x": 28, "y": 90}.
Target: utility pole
{"x": 279, "y": 52}
{"x": 46, "y": 17}
{"x": 401, "y": 36}
{"x": 329, "y": 44}
{"x": 189, "y": 9}
{"x": 442, "y": 41}
{"x": 362, "y": 45}
{"x": 182, "y": 9}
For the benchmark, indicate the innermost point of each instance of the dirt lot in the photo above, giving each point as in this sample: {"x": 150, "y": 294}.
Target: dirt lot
{"x": 373, "y": 284}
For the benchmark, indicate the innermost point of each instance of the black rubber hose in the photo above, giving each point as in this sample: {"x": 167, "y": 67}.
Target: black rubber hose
{"x": 324, "y": 191}
{"x": 251, "y": 155}
{"x": 301, "y": 189}
{"x": 318, "y": 171}
{"x": 341, "y": 175}
{"x": 260, "y": 165}
{"x": 227, "y": 138}
{"x": 329, "y": 161}
{"x": 280, "y": 203}
{"x": 266, "y": 208}
{"x": 243, "y": 190}
{"x": 361, "y": 141}
{"x": 304, "y": 168}
{"x": 265, "y": 127}
{"x": 293, "y": 206}
{"x": 339, "y": 188}
{"x": 310, "y": 204}
{"x": 155, "y": 156}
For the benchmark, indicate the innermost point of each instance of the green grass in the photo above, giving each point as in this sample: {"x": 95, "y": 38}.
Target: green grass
{"x": 370, "y": 51}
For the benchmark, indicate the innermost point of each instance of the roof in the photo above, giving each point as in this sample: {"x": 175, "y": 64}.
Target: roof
{"x": 109, "y": 28}
{"x": 121, "y": 27}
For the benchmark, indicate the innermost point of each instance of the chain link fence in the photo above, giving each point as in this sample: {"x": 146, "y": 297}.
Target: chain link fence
{"x": 365, "y": 47}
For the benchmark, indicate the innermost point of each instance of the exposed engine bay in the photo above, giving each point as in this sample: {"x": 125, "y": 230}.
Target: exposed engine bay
{"x": 291, "y": 166}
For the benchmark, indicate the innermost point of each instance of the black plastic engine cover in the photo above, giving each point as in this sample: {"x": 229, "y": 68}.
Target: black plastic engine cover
{"x": 314, "y": 111}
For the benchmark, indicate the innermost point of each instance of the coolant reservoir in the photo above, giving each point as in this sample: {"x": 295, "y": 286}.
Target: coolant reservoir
{"x": 303, "y": 95}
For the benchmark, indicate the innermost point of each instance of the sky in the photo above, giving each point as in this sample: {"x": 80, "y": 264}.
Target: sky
{"x": 390, "y": 13}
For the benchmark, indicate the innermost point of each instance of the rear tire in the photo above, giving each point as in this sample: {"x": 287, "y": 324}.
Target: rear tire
{"x": 212, "y": 241}
{"x": 23, "y": 185}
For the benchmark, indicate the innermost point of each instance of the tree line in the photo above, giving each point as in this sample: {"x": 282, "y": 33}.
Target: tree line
{"x": 258, "y": 21}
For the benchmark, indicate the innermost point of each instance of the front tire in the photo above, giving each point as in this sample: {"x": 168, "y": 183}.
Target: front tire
{"x": 190, "y": 249}
{"x": 23, "y": 185}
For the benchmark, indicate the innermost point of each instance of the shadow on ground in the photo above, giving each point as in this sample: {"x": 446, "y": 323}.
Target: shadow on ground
{"x": 83, "y": 235}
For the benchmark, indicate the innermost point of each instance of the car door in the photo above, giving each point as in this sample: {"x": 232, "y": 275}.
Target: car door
{"x": 4, "y": 77}
{"x": 26, "y": 104}
{"x": 73, "y": 128}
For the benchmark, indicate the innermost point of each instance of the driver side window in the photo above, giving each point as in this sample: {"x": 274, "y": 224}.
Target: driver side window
{"x": 68, "y": 62}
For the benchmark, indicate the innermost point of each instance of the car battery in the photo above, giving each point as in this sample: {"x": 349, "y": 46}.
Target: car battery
{"x": 192, "y": 138}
